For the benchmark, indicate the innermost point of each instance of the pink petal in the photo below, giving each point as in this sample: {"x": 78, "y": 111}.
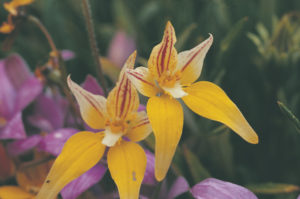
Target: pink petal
{"x": 21, "y": 146}
{"x": 14, "y": 128}
{"x": 90, "y": 84}
{"x": 48, "y": 114}
{"x": 7, "y": 94}
{"x": 212, "y": 188}
{"x": 149, "y": 177}
{"x": 67, "y": 54}
{"x": 28, "y": 91}
{"x": 17, "y": 70}
{"x": 84, "y": 182}
{"x": 54, "y": 142}
{"x": 120, "y": 48}
{"x": 179, "y": 187}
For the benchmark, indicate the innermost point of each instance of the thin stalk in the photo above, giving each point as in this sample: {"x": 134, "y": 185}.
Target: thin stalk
{"x": 93, "y": 43}
{"x": 62, "y": 67}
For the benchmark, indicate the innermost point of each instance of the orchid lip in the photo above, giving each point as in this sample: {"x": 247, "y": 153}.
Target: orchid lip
{"x": 110, "y": 138}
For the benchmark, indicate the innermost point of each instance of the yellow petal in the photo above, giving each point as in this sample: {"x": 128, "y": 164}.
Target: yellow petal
{"x": 123, "y": 99}
{"x": 12, "y": 6}
{"x": 210, "y": 101}
{"x": 163, "y": 58}
{"x": 143, "y": 81}
{"x": 166, "y": 118}
{"x": 14, "y": 192}
{"x": 80, "y": 153}
{"x": 190, "y": 62}
{"x": 127, "y": 164}
{"x": 140, "y": 129}
{"x": 92, "y": 107}
{"x": 6, "y": 28}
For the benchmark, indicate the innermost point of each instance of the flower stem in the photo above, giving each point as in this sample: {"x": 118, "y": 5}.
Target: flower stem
{"x": 93, "y": 43}
{"x": 37, "y": 22}
{"x": 62, "y": 67}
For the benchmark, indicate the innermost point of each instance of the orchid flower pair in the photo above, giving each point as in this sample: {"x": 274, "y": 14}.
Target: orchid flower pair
{"x": 119, "y": 126}
{"x": 169, "y": 76}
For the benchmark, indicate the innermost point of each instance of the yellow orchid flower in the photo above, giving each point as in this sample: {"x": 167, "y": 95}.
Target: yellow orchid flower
{"x": 12, "y": 7}
{"x": 7, "y": 27}
{"x": 171, "y": 75}
{"x": 119, "y": 118}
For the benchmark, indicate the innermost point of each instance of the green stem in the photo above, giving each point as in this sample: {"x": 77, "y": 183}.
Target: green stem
{"x": 93, "y": 43}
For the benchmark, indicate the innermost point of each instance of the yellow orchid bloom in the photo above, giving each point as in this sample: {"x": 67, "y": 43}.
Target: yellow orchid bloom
{"x": 12, "y": 7}
{"x": 7, "y": 27}
{"x": 119, "y": 118}
{"x": 171, "y": 75}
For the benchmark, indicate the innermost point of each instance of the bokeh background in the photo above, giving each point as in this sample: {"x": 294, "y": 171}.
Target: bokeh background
{"x": 255, "y": 58}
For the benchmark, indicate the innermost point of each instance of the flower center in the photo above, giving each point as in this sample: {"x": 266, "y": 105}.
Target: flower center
{"x": 169, "y": 80}
{"x": 114, "y": 130}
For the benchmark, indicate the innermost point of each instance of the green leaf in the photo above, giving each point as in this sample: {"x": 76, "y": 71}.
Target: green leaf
{"x": 273, "y": 188}
{"x": 233, "y": 34}
{"x": 198, "y": 171}
{"x": 286, "y": 111}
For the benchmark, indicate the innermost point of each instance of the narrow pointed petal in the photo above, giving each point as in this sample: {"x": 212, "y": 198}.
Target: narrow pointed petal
{"x": 166, "y": 118}
{"x": 123, "y": 99}
{"x": 215, "y": 189}
{"x": 14, "y": 192}
{"x": 143, "y": 81}
{"x": 80, "y": 153}
{"x": 92, "y": 107}
{"x": 127, "y": 164}
{"x": 140, "y": 129}
{"x": 163, "y": 57}
{"x": 190, "y": 62}
{"x": 84, "y": 182}
{"x": 210, "y": 101}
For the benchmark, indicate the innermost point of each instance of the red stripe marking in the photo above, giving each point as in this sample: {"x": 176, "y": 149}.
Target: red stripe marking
{"x": 197, "y": 52}
{"x": 163, "y": 54}
{"x": 124, "y": 96}
{"x": 90, "y": 101}
{"x": 129, "y": 98}
{"x": 171, "y": 47}
{"x": 139, "y": 78}
{"x": 140, "y": 125}
{"x": 118, "y": 94}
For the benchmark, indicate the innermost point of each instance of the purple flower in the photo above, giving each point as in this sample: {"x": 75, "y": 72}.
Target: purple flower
{"x": 84, "y": 182}
{"x": 212, "y": 188}
{"x": 120, "y": 48}
{"x": 149, "y": 177}
{"x": 18, "y": 88}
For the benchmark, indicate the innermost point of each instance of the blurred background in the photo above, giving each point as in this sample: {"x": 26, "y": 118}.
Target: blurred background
{"x": 255, "y": 58}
